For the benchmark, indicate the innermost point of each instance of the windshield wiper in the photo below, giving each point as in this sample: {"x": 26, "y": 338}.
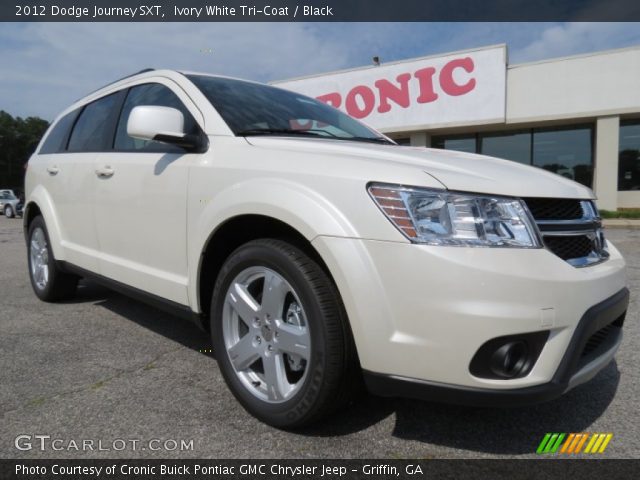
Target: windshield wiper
{"x": 372, "y": 140}
{"x": 280, "y": 131}
{"x": 310, "y": 132}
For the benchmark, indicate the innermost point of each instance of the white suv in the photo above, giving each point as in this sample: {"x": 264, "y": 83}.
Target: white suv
{"x": 319, "y": 253}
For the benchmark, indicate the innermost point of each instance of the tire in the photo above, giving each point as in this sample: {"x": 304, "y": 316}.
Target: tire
{"x": 49, "y": 283}
{"x": 294, "y": 360}
{"x": 8, "y": 211}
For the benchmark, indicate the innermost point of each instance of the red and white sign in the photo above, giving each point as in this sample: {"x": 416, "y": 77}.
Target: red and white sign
{"x": 456, "y": 89}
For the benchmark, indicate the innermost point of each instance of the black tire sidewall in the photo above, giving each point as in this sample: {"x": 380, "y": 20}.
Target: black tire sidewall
{"x": 8, "y": 211}
{"x": 45, "y": 293}
{"x": 294, "y": 410}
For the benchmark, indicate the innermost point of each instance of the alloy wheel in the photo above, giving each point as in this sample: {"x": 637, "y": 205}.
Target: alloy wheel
{"x": 266, "y": 334}
{"x": 39, "y": 256}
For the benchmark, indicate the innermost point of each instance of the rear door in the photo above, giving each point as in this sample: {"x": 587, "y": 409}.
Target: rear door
{"x": 70, "y": 176}
{"x": 141, "y": 200}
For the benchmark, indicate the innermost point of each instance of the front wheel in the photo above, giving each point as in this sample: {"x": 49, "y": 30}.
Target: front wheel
{"x": 285, "y": 347}
{"x": 48, "y": 281}
{"x": 8, "y": 211}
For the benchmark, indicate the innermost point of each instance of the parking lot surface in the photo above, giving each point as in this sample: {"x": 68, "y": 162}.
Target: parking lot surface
{"x": 107, "y": 369}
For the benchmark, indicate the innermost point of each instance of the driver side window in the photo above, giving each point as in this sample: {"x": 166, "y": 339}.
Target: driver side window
{"x": 153, "y": 94}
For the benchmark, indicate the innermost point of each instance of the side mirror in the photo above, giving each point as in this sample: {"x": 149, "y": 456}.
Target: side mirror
{"x": 161, "y": 124}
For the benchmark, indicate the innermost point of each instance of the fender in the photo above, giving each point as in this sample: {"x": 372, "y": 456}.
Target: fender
{"x": 40, "y": 197}
{"x": 335, "y": 239}
{"x": 300, "y": 207}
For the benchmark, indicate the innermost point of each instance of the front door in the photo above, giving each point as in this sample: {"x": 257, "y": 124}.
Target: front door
{"x": 141, "y": 203}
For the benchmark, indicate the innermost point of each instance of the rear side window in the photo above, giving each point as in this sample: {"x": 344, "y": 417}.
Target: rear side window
{"x": 92, "y": 132}
{"x": 153, "y": 94}
{"x": 56, "y": 141}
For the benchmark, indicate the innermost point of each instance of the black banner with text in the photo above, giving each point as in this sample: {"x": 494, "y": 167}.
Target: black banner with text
{"x": 316, "y": 469}
{"x": 318, "y": 10}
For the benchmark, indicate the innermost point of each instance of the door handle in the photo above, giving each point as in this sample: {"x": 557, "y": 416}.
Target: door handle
{"x": 53, "y": 170}
{"x": 105, "y": 172}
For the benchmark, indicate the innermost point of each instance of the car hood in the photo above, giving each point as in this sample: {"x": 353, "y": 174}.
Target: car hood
{"x": 454, "y": 170}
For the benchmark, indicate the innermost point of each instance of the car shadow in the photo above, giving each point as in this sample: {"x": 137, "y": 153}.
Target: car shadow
{"x": 367, "y": 411}
{"x": 170, "y": 326}
{"x": 507, "y": 431}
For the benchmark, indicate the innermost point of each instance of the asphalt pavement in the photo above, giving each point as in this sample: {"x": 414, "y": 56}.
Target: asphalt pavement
{"x": 139, "y": 383}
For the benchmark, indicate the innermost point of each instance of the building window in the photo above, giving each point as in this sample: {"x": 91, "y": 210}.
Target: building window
{"x": 567, "y": 151}
{"x": 629, "y": 156}
{"x": 514, "y": 146}
{"x": 461, "y": 143}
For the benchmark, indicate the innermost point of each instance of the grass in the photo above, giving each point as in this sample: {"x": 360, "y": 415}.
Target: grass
{"x": 633, "y": 213}
{"x": 98, "y": 385}
{"x": 149, "y": 366}
{"x": 36, "y": 402}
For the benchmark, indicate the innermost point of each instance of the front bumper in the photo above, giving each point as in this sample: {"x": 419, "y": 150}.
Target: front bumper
{"x": 420, "y": 313}
{"x": 575, "y": 367}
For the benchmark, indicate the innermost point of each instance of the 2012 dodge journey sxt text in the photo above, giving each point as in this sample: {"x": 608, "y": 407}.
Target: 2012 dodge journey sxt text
{"x": 318, "y": 252}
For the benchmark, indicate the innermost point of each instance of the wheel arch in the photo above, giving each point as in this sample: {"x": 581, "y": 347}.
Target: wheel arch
{"x": 258, "y": 207}
{"x": 39, "y": 203}
{"x": 31, "y": 211}
{"x": 235, "y": 232}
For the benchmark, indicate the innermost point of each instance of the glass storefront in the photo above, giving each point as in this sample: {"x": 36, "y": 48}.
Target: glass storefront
{"x": 629, "y": 156}
{"x": 514, "y": 146}
{"x": 567, "y": 151}
{"x": 466, "y": 143}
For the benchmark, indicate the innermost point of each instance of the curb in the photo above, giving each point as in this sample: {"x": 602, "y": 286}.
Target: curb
{"x": 621, "y": 223}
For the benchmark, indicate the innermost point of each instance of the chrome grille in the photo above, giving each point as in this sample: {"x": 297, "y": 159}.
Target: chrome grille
{"x": 571, "y": 229}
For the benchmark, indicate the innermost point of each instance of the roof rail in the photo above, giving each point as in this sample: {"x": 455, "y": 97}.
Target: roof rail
{"x": 144, "y": 70}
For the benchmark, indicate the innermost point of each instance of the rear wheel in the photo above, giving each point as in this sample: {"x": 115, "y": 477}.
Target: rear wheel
{"x": 8, "y": 211}
{"x": 285, "y": 349}
{"x": 48, "y": 281}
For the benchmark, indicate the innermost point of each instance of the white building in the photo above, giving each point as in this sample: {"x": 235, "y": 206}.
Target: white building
{"x": 577, "y": 116}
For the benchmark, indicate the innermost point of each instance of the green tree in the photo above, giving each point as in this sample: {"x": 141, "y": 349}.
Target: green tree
{"x": 18, "y": 139}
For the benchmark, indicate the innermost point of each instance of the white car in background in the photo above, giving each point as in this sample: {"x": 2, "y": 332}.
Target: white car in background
{"x": 318, "y": 253}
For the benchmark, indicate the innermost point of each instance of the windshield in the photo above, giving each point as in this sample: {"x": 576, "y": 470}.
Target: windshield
{"x": 255, "y": 109}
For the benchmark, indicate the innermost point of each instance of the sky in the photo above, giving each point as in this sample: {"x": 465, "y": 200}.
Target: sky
{"x": 44, "y": 67}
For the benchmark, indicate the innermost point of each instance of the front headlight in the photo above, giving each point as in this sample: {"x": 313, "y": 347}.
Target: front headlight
{"x": 438, "y": 217}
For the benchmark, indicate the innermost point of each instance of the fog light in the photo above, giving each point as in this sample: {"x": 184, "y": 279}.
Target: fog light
{"x": 510, "y": 359}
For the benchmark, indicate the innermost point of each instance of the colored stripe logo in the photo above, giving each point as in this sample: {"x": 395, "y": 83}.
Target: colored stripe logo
{"x": 574, "y": 443}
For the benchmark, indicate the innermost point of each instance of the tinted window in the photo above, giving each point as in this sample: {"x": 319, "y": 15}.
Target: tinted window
{"x": 92, "y": 132}
{"x": 57, "y": 138}
{"x": 514, "y": 146}
{"x": 459, "y": 143}
{"x": 629, "y": 157}
{"x": 254, "y": 109}
{"x": 567, "y": 152}
{"x": 156, "y": 95}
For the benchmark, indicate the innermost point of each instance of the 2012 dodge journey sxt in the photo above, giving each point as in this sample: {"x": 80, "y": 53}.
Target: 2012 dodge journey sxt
{"x": 318, "y": 253}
